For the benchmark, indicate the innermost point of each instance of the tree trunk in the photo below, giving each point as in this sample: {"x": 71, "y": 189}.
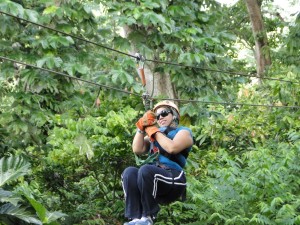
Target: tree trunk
{"x": 163, "y": 86}
{"x": 156, "y": 83}
{"x": 262, "y": 53}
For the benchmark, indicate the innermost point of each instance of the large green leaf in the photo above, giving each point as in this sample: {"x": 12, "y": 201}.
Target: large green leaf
{"x": 8, "y": 196}
{"x": 19, "y": 212}
{"x": 12, "y": 168}
{"x": 44, "y": 215}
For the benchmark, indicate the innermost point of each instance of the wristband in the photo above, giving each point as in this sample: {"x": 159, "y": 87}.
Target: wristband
{"x": 140, "y": 131}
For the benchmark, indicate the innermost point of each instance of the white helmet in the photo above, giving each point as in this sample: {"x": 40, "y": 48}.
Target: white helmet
{"x": 166, "y": 103}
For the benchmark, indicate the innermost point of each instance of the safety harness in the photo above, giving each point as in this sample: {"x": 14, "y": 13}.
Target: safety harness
{"x": 153, "y": 155}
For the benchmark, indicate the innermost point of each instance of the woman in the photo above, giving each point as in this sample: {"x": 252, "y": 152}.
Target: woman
{"x": 163, "y": 180}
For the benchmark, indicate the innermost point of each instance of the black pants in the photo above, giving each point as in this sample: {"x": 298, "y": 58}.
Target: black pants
{"x": 148, "y": 186}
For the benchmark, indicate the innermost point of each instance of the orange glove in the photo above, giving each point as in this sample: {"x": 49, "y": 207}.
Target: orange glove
{"x": 151, "y": 131}
{"x": 148, "y": 119}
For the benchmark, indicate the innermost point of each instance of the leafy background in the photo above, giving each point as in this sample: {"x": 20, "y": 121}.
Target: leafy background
{"x": 64, "y": 142}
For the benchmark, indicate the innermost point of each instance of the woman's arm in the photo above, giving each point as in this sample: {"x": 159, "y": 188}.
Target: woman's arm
{"x": 181, "y": 141}
{"x": 140, "y": 144}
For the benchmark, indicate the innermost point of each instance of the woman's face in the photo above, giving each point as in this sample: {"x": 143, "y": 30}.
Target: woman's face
{"x": 164, "y": 116}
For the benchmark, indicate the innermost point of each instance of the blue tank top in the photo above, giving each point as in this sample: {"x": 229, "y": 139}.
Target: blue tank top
{"x": 165, "y": 160}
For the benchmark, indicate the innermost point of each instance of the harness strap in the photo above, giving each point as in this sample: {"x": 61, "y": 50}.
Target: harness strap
{"x": 150, "y": 159}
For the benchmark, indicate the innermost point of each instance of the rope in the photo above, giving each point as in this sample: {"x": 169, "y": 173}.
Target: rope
{"x": 149, "y": 60}
{"x": 228, "y": 103}
{"x": 132, "y": 93}
{"x": 220, "y": 71}
{"x": 70, "y": 35}
{"x": 66, "y": 75}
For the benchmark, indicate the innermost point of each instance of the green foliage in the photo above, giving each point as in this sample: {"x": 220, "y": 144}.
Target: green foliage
{"x": 86, "y": 160}
{"x": 245, "y": 171}
{"x": 12, "y": 208}
{"x": 244, "y": 165}
{"x": 188, "y": 38}
{"x": 12, "y": 168}
{"x": 44, "y": 215}
{"x": 254, "y": 188}
{"x": 16, "y": 212}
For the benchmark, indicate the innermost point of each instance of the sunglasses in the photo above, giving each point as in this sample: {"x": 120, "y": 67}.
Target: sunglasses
{"x": 163, "y": 113}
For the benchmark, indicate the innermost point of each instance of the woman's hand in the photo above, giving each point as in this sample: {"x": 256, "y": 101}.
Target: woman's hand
{"x": 148, "y": 119}
{"x": 151, "y": 131}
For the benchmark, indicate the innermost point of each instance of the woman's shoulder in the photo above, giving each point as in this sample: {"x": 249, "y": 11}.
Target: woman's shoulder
{"x": 183, "y": 128}
{"x": 180, "y": 128}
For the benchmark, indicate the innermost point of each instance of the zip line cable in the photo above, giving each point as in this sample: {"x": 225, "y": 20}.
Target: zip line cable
{"x": 132, "y": 93}
{"x": 66, "y": 75}
{"x": 228, "y": 103}
{"x": 137, "y": 58}
{"x": 64, "y": 33}
{"x": 220, "y": 71}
